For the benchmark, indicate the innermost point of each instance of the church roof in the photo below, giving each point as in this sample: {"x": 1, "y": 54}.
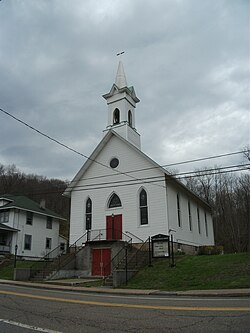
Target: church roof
{"x": 102, "y": 144}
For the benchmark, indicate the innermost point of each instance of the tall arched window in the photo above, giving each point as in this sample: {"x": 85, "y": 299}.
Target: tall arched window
{"x": 116, "y": 116}
{"x": 130, "y": 118}
{"x": 178, "y": 210}
{"x": 114, "y": 201}
{"x": 143, "y": 207}
{"x": 190, "y": 216}
{"x": 88, "y": 214}
{"x": 198, "y": 220}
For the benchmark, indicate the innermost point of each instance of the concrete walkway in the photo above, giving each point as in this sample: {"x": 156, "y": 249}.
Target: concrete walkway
{"x": 73, "y": 285}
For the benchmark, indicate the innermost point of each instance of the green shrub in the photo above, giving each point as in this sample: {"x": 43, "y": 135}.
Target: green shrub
{"x": 207, "y": 250}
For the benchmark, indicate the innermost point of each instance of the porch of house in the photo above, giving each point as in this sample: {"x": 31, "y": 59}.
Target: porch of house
{"x": 6, "y": 236}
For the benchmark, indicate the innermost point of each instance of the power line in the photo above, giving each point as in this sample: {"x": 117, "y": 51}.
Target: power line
{"x": 64, "y": 145}
{"x": 149, "y": 182}
{"x": 176, "y": 176}
{"x": 153, "y": 180}
{"x": 127, "y": 173}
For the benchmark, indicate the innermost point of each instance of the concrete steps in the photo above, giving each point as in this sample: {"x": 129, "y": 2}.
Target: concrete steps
{"x": 51, "y": 267}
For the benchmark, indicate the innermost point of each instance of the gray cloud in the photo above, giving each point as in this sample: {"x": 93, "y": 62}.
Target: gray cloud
{"x": 188, "y": 61}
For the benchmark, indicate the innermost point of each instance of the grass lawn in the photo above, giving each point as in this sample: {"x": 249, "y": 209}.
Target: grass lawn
{"x": 226, "y": 271}
{"x": 7, "y": 272}
{"x": 196, "y": 272}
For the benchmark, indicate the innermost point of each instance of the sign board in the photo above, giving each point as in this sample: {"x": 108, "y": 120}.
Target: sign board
{"x": 160, "y": 246}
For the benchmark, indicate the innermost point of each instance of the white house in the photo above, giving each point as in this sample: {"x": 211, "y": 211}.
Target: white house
{"x": 121, "y": 191}
{"x": 28, "y": 227}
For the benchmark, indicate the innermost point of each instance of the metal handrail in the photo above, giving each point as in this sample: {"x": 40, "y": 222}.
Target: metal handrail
{"x": 101, "y": 234}
{"x": 133, "y": 235}
{"x": 118, "y": 254}
{"x": 37, "y": 267}
{"x": 134, "y": 256}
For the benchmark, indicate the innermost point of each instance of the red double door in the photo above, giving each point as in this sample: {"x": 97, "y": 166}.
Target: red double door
{"x": 114, "y": 227}
{"x": 101, "y": 259}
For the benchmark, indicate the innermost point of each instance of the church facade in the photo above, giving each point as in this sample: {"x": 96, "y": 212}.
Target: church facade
{"x": 121, "y": 191}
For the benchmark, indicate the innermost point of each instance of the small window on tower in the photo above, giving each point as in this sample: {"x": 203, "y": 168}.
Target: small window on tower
{"x": 116, "y": 116}
{"x": 130, "y": 118}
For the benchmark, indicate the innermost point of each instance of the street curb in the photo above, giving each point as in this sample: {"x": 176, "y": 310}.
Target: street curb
{"x": 118, "y": 291}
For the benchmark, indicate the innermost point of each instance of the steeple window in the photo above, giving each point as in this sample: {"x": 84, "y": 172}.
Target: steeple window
{"x": 130, "y": 118}
{"x": 116, "y": 116}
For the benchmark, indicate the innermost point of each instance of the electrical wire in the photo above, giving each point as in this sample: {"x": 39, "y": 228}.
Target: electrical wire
{"x": 127, "y": 173}
{"x": 150, "y": 180}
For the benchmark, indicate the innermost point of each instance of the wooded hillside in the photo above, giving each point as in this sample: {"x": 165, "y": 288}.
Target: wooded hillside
{"x": 35, "y": 187}
{"x": 227, "y": 193}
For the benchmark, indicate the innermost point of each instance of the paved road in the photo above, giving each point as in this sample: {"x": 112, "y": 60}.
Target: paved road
{"x": 37, "y": 310}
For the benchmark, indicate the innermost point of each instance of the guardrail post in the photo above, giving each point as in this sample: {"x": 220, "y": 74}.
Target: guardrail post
{"x": 172, "y": 251}
{"x": 16, "y": 247}
{"x": 149, "y": 252}
{"x": 126, "y": 264}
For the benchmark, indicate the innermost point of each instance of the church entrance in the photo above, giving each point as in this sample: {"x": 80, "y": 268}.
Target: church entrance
{"x": 114, "y": 227}
{"x": 101, "y": 259}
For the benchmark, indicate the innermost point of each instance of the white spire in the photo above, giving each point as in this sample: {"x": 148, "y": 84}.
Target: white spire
{"x": 120, "y": 79}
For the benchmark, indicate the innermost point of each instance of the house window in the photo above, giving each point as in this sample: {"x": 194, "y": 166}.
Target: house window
{"x": 130, "y": 118}
{"x": 49, "y": 222}
{"x": 88, "y": 215}
{"x": 114, "y": 201}
{"x": 116, "y": 116}
{"x": 27, "y": 242}
{"x": 189, "y": 216}
{"x": 178, "y": 210}
{"x": 143, "y": 207}
{"x": 29, "y": 218}
{"x": 4, "y": 216}
{"x": 198, "y": 220}
{"x": 206, "y": 228}
{"x": 48, "y": 243}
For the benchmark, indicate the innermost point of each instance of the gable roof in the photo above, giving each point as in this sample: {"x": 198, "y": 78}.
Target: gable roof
{"x": 100, "y": 146}
{"x": 24, "y": 203}
{"x": 115, "y": 90}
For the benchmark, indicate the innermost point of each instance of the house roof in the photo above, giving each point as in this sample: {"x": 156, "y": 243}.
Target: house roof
{"x": 24, "y": 203}
{"x": 101, "y": 145}
{"x": 7, "y": 228}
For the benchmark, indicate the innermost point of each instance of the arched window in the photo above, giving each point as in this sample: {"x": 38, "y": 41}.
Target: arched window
{"x": 88, "y": 214}
{"x": 116, "y": 116}
{"x": 114, "y": 201}
{"x": 198, "y": 220}
{"x": 178, "y": 210}
{"x": 130, "y": 118}
{"x": 143, "y": 207}
{"x": 190, "y": 216}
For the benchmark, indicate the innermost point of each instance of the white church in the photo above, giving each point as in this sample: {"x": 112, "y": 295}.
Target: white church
{"x": 121, "y": 192}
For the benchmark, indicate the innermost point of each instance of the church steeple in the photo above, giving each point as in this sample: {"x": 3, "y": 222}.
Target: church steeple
{"x": 121, "y": 102}
{"x": 120, "y": 79}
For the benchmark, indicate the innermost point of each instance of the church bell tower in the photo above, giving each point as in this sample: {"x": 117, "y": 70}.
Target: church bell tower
{"x": 121, "y": 102}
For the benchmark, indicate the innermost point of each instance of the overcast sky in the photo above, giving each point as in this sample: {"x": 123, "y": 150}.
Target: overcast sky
{"x": 188, "y": 61}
